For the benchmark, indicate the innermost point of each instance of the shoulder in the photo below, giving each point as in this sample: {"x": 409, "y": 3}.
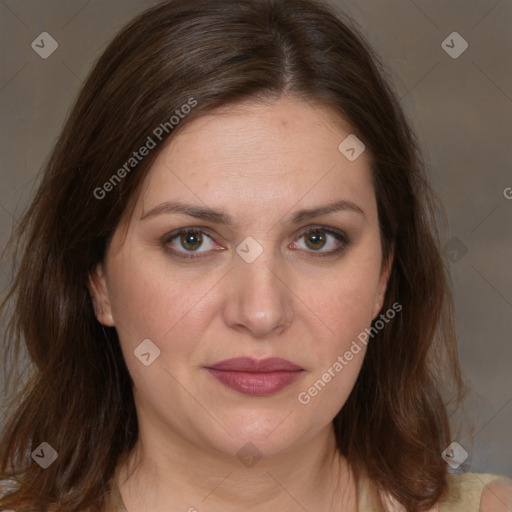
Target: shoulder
{"x": 469, "y": 492}
{"x": 476, "y": 492}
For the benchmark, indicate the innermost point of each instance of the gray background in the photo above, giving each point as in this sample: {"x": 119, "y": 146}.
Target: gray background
{"x": 461, "y": 109}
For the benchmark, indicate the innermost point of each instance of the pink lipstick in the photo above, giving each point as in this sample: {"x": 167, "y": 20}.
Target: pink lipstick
{"x": 256, "y": 377}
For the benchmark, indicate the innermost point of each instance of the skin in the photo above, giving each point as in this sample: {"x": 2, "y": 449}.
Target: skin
{"x": 260, "y": 162}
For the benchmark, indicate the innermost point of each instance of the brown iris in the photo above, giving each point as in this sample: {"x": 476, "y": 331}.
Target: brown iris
{"x": 315, "y": 239}
{"x": 191, "y": 240}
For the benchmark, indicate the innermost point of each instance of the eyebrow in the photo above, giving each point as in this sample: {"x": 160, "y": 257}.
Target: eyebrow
{"x": 219, "y": 217}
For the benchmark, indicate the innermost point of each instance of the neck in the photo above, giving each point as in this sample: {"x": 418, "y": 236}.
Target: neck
{"x": 166, "y": 475}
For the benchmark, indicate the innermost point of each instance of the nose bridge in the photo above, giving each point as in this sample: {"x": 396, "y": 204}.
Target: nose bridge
{"x": 258, "y": 300}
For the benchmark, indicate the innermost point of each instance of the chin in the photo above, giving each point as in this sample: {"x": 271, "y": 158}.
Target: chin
{"x": 257, "y": 434}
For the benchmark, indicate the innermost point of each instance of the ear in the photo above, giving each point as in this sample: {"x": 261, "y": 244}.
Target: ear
{"x": 99, "y": 294}
{"x": 385, "y": 272}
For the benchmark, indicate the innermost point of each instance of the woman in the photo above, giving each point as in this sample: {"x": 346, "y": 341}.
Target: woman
{"x": 231, "y": 286}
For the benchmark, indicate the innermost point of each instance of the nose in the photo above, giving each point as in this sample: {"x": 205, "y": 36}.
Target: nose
{"x": 259, "y": 301}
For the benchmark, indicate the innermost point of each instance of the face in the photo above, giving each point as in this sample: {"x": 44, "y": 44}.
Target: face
{"x": 231, "y": 253}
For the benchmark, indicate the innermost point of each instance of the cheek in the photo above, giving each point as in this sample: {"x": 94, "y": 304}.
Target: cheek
{"x": 344, "y": 300}
{"x": 345, "y": 306}
{"x": 149, "y": 301}
{"x": 344, "y": 312}
{"x": 150, "y": 304}
{"x": 139, "y": 301}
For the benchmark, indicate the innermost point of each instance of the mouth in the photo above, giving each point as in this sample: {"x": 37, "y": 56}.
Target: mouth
{"x": 256, "y": 377}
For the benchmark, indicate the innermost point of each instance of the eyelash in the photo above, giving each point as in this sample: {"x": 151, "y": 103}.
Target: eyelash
{"x": 340, "y": 236}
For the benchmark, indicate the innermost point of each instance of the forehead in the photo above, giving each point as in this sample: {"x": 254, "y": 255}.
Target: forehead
{"x": 274, "y": 152}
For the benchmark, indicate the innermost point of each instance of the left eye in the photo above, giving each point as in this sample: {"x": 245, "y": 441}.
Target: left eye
{"x": 321, "y": 240}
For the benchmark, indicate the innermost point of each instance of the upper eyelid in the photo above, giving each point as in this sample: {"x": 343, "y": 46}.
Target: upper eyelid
{"x": 299, "y": 232}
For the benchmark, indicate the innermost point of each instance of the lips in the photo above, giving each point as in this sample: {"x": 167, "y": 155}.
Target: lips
{"x": 256, "y": 377}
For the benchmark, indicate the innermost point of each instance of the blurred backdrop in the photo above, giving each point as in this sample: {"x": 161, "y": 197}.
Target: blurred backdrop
{"x": 450, "y": 63}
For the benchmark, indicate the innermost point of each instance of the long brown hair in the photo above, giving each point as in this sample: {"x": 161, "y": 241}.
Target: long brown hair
{"x": 78, "y": 396}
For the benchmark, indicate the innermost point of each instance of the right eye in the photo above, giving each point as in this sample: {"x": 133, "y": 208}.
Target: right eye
{"x": 186, "y": 242}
